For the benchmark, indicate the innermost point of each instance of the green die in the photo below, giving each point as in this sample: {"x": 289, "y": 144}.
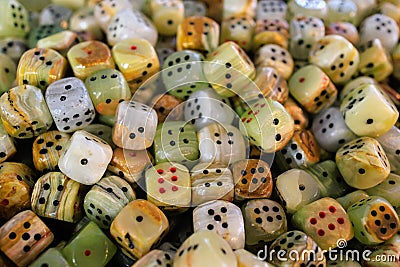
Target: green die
{"x": 51, "y": 258}
{"x": 13, "y": 19}
{"x": 102, "y": 131}
{"x": 347, "y": 200}
{"x": 107, "y": 88}
{"x": 41, "y": 32}
{"x": 7, "y": 72}
{"x": 176, "y": 141}
{"x": 374, "y": 219}
{"x": 106, "y": 198}
{"x": 89, "y": 247}
{"x": 388, "y": 189}
{"x": 182, "y": 73}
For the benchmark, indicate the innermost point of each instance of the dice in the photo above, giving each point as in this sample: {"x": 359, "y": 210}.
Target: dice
{"x": 24, "y": 112}
{"x": 296, "y": 188}
{"x": 84, "y": 20}
{"x": 222, "y": 217}
{"x": 107, "y": 88}
{"x": 105, "y": 10}
{"x": 24, "y": 237}
{"x": 345, "y": 29}
{"x": 41, "y": 32}
{"x": 221, "y": 143}
{"x": 246, "y": 7}
{"x": 194, "y": 8}
{"x": 330, "y": 129}
{"x": 349, "y": 199}
{"x": 70, "y": 104}
{"x": 276, "y": 57}
{"x": 167, "y": 15}
{"x": 7, "y": 147}
{"x": 13, "y": 47}
{"x": 382, "y": 27}
{"x": 54, "y": 14}
{"x": 252, "y": 179}
{"x": 363, "y": 163}
{"x": 131, "y": 133}
{"x": 201, "y": 243}
{"x": 121, "y": 27}
{"x": 312, "y": 88}
{"x": 358, "y": 102}
{"x": 168, "y": 186}
{"x": 51, "y": 257}
{"x": 374, "y": 219}
{"x": 268, "y": 125}
{"x": 274, "y": 9}
{"x": 89, "y": 246}
{"x": 271, "y": 31}
{"x": 58, "y": 197}
{"x": 168, "y": 107}
{"x": 390, "y": 144}
{"x": 16, "y": 183}
{"x": 61, "y": 41}
{"x": 14, "y": 19}
{"x": 88, "y": 57}
{"x": 138, "y": 226}
{"x": 85, "y": 158}
{"x": 388, "y": 190}
{"x": 325, "y": 221}
{"x": 296, "y": 243}
{"x": 40, "y": 67}
{"x": 7, "y": 72}
{"x": 339, "y": 10}
{"x": 102, "y": 131}
{"x": 239, "y": 29}
{"x": 199, "y": 34}
{"x": 264, "y": 220}
{"x": 304, "y": 32}
{"x": 336, "y": 56}
{"x": 300, "y": 117}
{"x": 176, "y": 141}
{"x": 106, "y": 198}
{"x": 211, "y": 182}
{"x": 162, "y": 258}
{"x": 317, "y": 8}
{"x": 354, "y": 84}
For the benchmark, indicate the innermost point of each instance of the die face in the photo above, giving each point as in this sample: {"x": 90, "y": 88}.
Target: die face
{"x": 106, "y": 198}
{"x": 390, "y": 144}
{"x": 138, "y": 226}
{"x": 325, "y": 221}
{"x": 7, "y": 72}
{"x": 300, "y": 117}
{"x": 106, "y": 89}
{"x": 347, "y": 200}
{"x": 70, "y": 104}
{"x": 89, "y": 246}
{"x": 304, "y": 32}
{"x": 88, "y": 57}
{"x": 239, "y": 29}
{"x": 167, "y": 15}
{"x": 271, "y": 31}
{"x": 296, "y": 188}
{"x": 105, "y": 10}
{"x": 297, "y": 242}
{"x": 16, "y": 185}
{"x": 267, "y": 124}
{"x": 102, "y": 131}
{"x": 194, "y": 8}
{"x": 168, "y": 186}
{"x": 345, "y": 29}
{"x": 330, "y": 130}
{"x": 228, "y": 69}
{"x": 222, "y": 217}
{"x": 154, "y": 258}
{"x": 13, "y": 47}
{"x": 51, "y": 257}
{"x": 387, "y": 190}
{"x": 121, "y": 27}
{"x": 136, "y": 59}
{"x": 78, "y": 162}
{"x": 354, "y": 84}
{"x": 183, "y": 83}
{"x": 24, "y": 237}
{"x": 130, "y": 164}
{"x": 221, "y": 143}
{"x": 14, "y": 20}
{"x": 276, "y": 57}
{"x": 41, "y": 32}
{"x": 252, "y": 179}
{"x": 40, "y": 67}
{"x": 312, "y": 88}
{"x": 84, "y": 20}
{"x": 317, "y": 8}
{"x": 382, "y": 27}
{"x": 336, "y": 56}
{"x": 176, "y": 141}
{"x": 58, "y": 197}
{"x": 360, "y": 101}
{"x": 131, "y": 133}
{"x": 168, "y": 107}
{"x": 271, "y": 9}
{"x": 46, "y": 150}
{"x": 374, "y": 219}
{"x": 363, "y": 163}
{"x": 206, "y": 107}
{"x": 24, "y": 112}
{"x": 199, "y": 34}
{"x": 55, "y": 14}
{"x": 342, "y": 11}
{"x": 375, "y": 62}
{"x": 211, "y": 182}
{"x": 201, "y": 243}
{"x": 264, "y": 220}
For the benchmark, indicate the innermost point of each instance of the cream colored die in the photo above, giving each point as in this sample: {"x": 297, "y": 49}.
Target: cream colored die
{"x": 236, "y": 7}
{"x": 106, "y": 9}
{"x": 341, "y": 10}
{"x": 222, "y": 217}
{"x": 154, "y": 258}
{"x": 375, "y": 61}
{"x": 246, "y": 259}
{"x": 277, "y": 57}
{"x": 205, "y": 248}
{"x": 314, "y": 8}
{"x": 168, "y": 185}
{"x": 354, "y": 84}
{"x": 167, "y": 15}
{"x": 368, "y": 111}
{"x": 138, "y": 226}
{"x": 363, "y": 163}
{"x": 336, "y": 56}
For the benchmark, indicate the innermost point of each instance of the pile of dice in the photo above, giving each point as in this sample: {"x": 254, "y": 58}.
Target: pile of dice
{"x": 199, "y": 133}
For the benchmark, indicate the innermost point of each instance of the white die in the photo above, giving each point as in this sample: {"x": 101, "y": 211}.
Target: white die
{"x": 85, "y": 158}
{"x": 271, "y": 9}
{"x": 105, "y": 10}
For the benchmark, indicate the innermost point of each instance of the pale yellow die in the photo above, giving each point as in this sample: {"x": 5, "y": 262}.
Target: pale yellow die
{"x": 236, "y": 7}
{"x": 276, "y": 57}
{"x": 61, "y": 41}
{"x": 167, "y": 15}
